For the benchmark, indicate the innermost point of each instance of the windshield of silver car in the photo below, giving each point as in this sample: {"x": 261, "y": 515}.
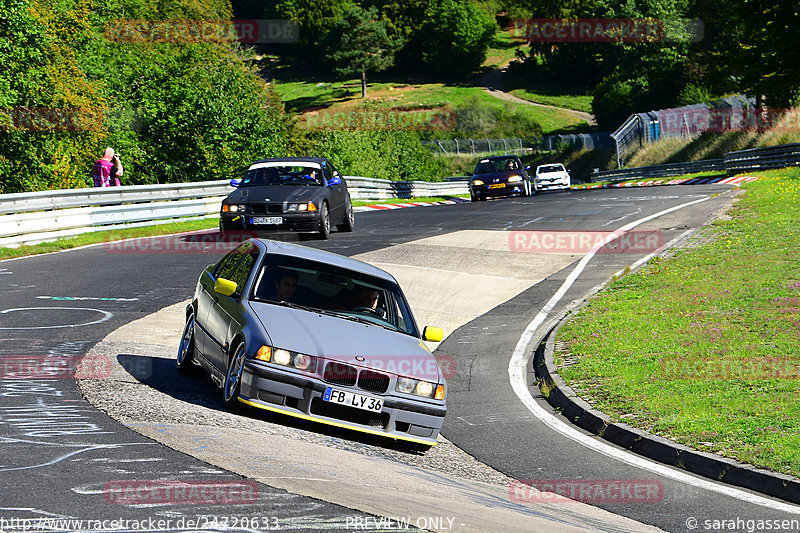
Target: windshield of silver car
{"x": 320, "y": 287}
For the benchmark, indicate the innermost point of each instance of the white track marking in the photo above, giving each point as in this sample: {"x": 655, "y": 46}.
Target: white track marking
{"x": 517, "y": 370}
{"x": 106, "y": 316}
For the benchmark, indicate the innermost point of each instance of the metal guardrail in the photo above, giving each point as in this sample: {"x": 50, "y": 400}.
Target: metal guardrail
{"x": 65, "y": 198}
{"x": 28, "y": 218}
{"x": 659, "y": 171}
{"x": 376, "y": 189}
{"x": 785, "y": 155}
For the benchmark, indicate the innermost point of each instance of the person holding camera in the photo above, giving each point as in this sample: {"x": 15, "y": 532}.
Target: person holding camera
{"x": 107, "y": 169}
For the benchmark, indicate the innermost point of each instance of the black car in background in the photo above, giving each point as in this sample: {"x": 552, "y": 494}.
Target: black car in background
{"x": 499, "y": 176}
{"x": 295, "y": 194}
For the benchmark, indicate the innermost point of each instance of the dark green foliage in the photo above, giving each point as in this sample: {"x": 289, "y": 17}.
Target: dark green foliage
{"x": 694, "y": 94}
{"x": 455, "y": 36}
{"x": 359, "y": 44}
{"x": 316, "y": 19}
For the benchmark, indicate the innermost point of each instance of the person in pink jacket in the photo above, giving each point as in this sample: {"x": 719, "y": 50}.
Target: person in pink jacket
{"x": 107, "y": 173}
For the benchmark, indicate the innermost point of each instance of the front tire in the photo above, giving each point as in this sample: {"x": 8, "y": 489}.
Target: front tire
{"x": 349, "y": 223}
{"x": 324, "y": 222}
{"x": 233, "y": 377}
{"x": 185, "y": 359}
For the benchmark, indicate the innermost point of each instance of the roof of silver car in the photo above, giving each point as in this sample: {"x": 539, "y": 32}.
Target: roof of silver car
{"x": 321, "y": 256}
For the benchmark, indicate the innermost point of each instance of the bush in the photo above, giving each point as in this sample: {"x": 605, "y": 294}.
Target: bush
{"x": 694, "y": 94}
{"x": 392, "y": 155}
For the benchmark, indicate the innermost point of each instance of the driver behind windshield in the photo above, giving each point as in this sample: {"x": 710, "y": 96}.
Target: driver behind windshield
{"x": 311, "y": 174}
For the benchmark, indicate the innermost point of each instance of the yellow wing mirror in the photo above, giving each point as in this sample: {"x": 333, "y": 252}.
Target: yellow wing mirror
{"x": 224, "y": 286}
{"x": 432, "y": 334}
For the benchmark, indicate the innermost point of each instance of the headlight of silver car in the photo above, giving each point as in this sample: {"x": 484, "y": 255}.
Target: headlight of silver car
{"x": 283, "y": 357}
{"x": 419, "y": 387}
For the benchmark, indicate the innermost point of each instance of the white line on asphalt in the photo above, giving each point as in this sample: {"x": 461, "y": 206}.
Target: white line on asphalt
{"x": 106, "y": 316}
{"x": 517, "y": 370}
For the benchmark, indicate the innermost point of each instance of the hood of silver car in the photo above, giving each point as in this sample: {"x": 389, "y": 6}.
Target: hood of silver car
{"x": 347, "y": 341}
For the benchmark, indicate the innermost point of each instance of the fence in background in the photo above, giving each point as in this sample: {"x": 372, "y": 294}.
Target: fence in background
{"x": 515, "y": 145}
{"x": 726, "y": 114}
{"x": 28, "y": 218}
{"x": 579, "y": 141}
{"x": 520, "y": 146}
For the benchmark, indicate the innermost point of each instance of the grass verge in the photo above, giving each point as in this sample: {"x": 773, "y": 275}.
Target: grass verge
{"x": 544, "y": 90}
{"x": 704, "y": 347}
{"x": 160, "y": 229}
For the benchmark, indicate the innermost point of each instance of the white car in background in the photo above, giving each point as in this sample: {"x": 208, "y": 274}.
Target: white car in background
{"x": 552, "y": 176}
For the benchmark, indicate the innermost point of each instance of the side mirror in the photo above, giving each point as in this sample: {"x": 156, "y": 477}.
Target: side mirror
{"x": 469, "y": 174}
{"x": 528, "y": 168}
{"x": 432, "y": 334}
{"x": 335, "y": 180}
{"x": 234, "y": 183}
{"x": 225, "y": 287}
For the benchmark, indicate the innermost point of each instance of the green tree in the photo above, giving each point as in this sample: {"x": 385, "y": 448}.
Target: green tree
{"x": 315, "y": 19}
{"x": 359, "y": 43}
{"x": 455, "y": 36}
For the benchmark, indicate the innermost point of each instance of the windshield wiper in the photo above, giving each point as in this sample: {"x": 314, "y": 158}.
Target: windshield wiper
{"x": 294, "y": 305}
{"x": 364, "y": 320}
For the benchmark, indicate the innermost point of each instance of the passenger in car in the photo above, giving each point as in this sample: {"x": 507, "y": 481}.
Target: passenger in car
{"x": 284, "y": 284}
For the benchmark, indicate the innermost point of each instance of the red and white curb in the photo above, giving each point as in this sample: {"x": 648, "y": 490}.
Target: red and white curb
{"x": 737, "y": 180}
{"x": 385, "y": 207}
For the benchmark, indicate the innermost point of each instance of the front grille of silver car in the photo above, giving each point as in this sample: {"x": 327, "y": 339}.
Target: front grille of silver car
{"x": 340, "y": 374}
{"x": 373, "y": 381}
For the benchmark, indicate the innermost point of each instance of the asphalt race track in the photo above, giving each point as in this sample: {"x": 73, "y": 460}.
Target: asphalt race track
{"x": 473, "y": 268}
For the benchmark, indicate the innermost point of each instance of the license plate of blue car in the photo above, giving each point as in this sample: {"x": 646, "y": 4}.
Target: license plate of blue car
{"x": 353, "y": 399}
